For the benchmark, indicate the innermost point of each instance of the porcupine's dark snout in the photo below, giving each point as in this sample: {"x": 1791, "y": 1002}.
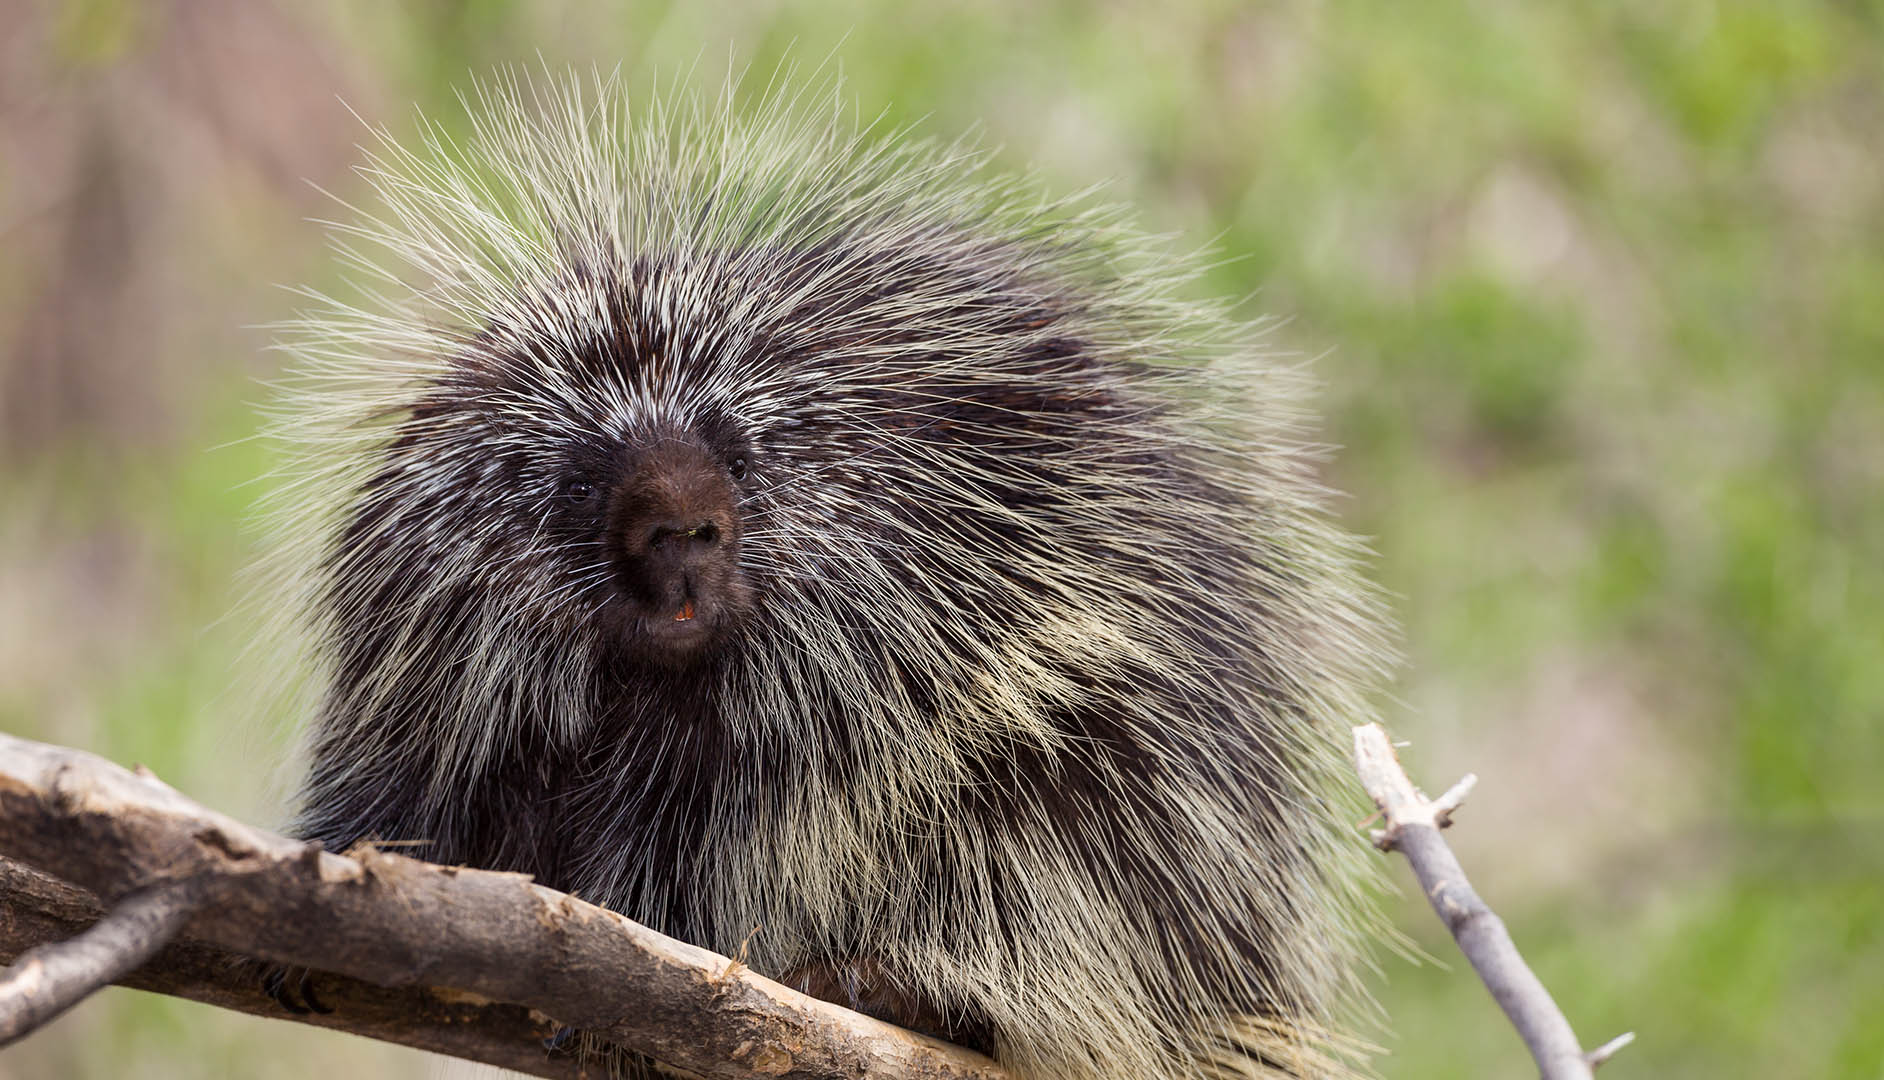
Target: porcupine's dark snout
{"x": 674, "y": 528}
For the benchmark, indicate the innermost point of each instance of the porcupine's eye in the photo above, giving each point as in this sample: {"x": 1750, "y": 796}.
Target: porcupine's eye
{"x": 579, "y": 492}
{"x": 722, "y": 435}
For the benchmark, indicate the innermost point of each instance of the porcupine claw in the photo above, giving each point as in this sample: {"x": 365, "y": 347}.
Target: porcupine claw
{"x": 299, "y": 1000}
{"x": 275, "y": 985}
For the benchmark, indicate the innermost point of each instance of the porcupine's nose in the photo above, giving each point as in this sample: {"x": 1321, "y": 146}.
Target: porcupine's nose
{"x": 679, "y": 563}
{"x": 675, "y": 526}
{"x": 685, "y": 541}
{"x": 678, "y": 553}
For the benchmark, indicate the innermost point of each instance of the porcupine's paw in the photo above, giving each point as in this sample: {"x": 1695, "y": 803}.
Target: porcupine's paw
{"x": 292, "y": 987}
{"x": 289, "y": 986}
{"x": 860, "y": 985}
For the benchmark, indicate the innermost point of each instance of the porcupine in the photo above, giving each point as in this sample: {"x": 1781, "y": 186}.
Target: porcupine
{"x": 807, "y": 540}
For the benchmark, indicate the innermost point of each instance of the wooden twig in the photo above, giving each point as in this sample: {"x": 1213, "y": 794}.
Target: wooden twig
{"x": 390, "y": 921}
{"x": 1608, "y": 1050}
{"x": 1412, "y": 828}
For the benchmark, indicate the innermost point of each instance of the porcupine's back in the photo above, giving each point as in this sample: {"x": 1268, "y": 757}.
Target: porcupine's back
{"x": 1010, "y": 712}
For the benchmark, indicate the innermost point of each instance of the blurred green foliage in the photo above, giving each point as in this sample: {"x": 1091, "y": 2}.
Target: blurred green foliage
{"x": 1597, "y": 292}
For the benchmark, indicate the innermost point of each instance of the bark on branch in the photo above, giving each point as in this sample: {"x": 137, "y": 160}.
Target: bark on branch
{"x": 1413, "y": 824}
{"x": 476, "y": 964}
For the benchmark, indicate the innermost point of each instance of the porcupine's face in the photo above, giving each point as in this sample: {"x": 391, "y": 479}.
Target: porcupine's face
{"x": 664, "y": 510}
{"x": 653, "y": 517}
{"x": 805, "y": 445}
{"x": 586, "y": 511}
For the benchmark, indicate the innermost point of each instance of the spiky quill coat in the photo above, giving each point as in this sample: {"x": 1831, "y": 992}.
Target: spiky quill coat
{"x": 1027, "y": 732}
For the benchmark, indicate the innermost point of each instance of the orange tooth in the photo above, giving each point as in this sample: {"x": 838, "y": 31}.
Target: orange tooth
{"x": 686, "y": 611}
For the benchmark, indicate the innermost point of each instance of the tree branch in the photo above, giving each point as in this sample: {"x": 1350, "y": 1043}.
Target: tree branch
{"x": 36, "y": 908}
{"x": 497, "y": 941}
{"x": 1413, "y": 824}
{"x": 52, "y": 978}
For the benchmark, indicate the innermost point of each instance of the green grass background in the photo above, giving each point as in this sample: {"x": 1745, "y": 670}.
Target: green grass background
{"x": 1596, "y": 291}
